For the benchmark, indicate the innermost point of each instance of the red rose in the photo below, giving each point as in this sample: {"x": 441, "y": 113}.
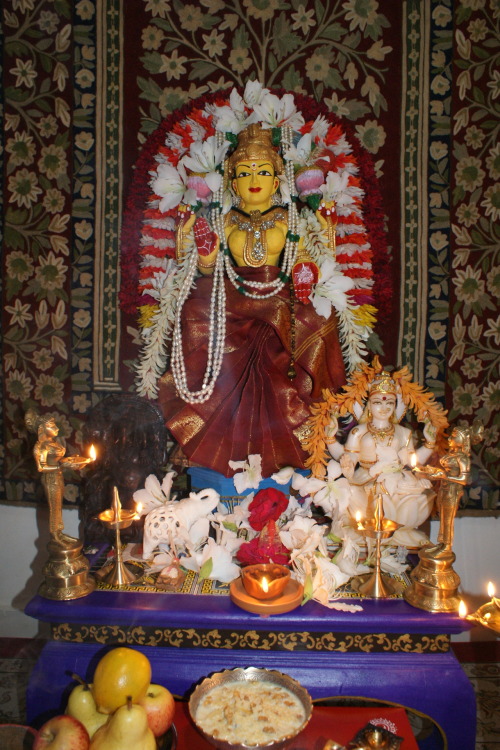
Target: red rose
{"x": 267, "y": 505}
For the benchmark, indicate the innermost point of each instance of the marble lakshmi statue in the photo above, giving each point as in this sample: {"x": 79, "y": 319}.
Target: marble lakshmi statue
{"x": 257, "y": 259}
{"x": 379, "y": 455}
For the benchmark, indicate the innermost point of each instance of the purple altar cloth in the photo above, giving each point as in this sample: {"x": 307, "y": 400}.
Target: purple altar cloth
{"x": 390, "y": 651}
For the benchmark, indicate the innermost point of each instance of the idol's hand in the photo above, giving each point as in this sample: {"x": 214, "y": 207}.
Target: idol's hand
{"x": 204, "y": 237}
{"x": 304, "y": 274}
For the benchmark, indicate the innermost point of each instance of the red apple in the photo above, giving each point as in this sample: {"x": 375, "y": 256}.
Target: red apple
{"x": 159, "y": 704}
{"x": 62, "y": 733}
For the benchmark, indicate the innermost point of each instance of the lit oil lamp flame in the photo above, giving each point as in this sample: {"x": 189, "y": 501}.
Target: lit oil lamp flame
{"x": 491, "y": 589}
{"x": 265, "y": 584}
{"x": 138, "y": 509}
{"x": 92, "y": 452}
{"x": 413, "y": 460}
{"x": 462, "y": 609}
{"x": 358, "y": 516}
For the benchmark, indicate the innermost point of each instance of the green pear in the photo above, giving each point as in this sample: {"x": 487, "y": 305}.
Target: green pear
{"x": 81, "y": 706}
{"x": 127, "y": 729}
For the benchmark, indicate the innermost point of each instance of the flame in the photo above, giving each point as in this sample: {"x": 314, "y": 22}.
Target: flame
{"x": 358, "y": 516}
{"x": 413, "y": 460}
{"x": 491, "y": 589}
{"x": 462, "y": 609}
{"x": 265, "y": 585}
{"x": 93, "y": 452}
{"x": 138, "y": 509}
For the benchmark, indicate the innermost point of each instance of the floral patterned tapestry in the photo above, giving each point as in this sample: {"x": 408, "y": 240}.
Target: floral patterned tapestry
{"x": 85, "y": 85}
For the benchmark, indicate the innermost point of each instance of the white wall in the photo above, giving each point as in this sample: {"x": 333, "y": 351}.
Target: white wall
{"x": 23, "y": 540}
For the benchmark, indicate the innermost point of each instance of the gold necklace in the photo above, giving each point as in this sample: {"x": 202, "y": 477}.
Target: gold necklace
{"x": 381, "y": 433}
{"x": 255, "y": 224}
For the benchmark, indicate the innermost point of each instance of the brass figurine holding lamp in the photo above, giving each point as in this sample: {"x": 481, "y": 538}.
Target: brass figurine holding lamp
{"x": 434, "y": 582}
{"x": 66, "y": 572}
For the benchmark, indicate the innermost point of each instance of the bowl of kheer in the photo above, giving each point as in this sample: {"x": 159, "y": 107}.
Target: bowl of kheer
{"x": 239, "y": 709}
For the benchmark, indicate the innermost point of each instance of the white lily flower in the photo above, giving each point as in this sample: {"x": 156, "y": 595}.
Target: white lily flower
{"x": 284, "y": 475}
{"x": 254, "y": 93}
{"x": 251, "y": 475}
{"x": 330, "y": 291}
{"x": 274, "y": 112}
{"x": 170, "y": 184}
{"x": 232, "y": 118}
{"x": 204, "y": 157}
{"x": 336, "y": 188}
{"x": 284, "y": 189}
{"x": 300, "y": 153}
{"x": 335, "y": 494}
{"x": 153, "y": 494}
{"x": 296, "y": 508}
{"x": 303, "y": 536}
{"x": 221, "y": 567}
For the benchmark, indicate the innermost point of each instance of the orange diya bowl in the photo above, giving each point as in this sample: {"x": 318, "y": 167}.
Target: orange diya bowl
{"x": 265, "y": 580}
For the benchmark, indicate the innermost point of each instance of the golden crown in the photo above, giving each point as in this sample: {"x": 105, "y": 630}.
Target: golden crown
{"x": 255, "y": 143}
{"x": 383, "y": 384}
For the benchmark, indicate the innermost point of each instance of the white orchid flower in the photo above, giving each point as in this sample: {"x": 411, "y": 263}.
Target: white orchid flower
{"x": 274, "y": 112}
{"x": 389, "y": 562}
{"x": 330, "y": 291}
{"x": 254, "y": 93}
{"x": 170, "y": 183}
{"x": 251, "y": 475}
{"x": 212, "y": 561}
{"x": 348, "y": 557}
{"x": 306, "y": 485}
{"x": 296, "y": 508}
{"x": 153, "y": 494}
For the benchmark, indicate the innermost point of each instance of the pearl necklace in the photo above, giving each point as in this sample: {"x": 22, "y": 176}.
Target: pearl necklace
{"x": 217, "y": 320}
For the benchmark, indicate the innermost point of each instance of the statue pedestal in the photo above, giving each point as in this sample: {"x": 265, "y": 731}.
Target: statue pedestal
{"x": 66, "y": 572}
{"x": 434, "y": 584}
{"x": 390, "y": 651}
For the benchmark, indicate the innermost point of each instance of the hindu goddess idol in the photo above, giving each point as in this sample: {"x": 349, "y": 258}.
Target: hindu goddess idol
{"x": 277, "y": 353}
{"x": 258, "y": 289}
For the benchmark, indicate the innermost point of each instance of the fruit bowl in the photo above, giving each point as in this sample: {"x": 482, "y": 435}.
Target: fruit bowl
{"x": 266, "y": 691}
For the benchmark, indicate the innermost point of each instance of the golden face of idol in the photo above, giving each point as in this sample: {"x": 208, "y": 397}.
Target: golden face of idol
{"x": 255, "y": 182}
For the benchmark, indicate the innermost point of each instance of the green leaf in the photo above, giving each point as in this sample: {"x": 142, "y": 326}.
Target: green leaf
{"x": 308, "y": 589}
{"x": 150, "y": 89}
{"x": 334, "y": 31}
{"x": 206, "y": 569}
{"x": 201, "y": 70}
{"x": 292, "y": 79}
{"x": 152, "y": 62}
{"x": 230, "y": 526}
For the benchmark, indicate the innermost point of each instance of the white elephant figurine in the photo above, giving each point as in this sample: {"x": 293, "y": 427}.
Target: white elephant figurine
{"x": 179, "y": 524}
